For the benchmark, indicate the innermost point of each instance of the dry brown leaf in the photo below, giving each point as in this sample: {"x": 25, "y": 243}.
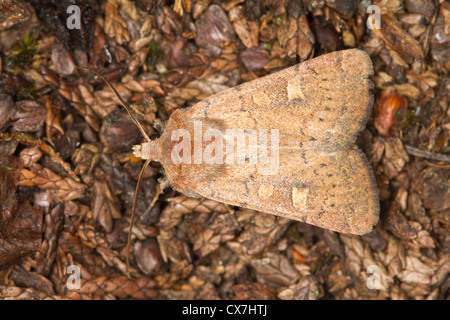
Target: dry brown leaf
{"x": 401, "y": 41}
{"x": 105, "y": 205}
{"x": 247, "y": 31}
{"x": 65, "y": 188}
{"x": 115, "y": 25}
{"x": 221, "y": 229}
{"x": 264, "y": 230}
{"x": 274, "y": 269}
{"x": 121, "y": 287}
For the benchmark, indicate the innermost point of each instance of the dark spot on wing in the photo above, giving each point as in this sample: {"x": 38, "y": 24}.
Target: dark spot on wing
{"x": 312, "y": 70}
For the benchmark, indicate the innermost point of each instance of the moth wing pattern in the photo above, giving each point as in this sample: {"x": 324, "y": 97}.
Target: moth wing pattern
{"x": 322, "y": 103}
{"x": 318, "y": 108}
{"x": 338, "y": 194}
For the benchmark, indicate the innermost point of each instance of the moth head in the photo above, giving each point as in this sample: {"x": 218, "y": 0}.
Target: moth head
{"x": 148, "y": 150}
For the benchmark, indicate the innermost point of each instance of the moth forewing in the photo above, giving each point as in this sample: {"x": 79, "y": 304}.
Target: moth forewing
{"x": 317, "y": 107}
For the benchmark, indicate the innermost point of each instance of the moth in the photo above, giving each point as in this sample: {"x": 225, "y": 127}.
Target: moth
{"x": 311, "y": 171}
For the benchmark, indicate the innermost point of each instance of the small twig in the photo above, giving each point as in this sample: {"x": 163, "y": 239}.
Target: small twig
{"x": 437, "y": 165}
{"x": 427, "y": 155}
{"x": 429, "y": 31}
{"x": 31, "y": 141}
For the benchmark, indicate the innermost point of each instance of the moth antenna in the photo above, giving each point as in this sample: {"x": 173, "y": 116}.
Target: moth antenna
{"x": 133, "y": 210}
{"x": 124, "y": 104}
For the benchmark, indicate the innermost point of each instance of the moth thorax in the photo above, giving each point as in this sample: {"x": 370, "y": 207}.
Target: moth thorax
{"x": 148, "y": 150}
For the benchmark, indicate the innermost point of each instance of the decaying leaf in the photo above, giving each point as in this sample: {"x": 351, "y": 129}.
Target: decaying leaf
{"x": 66, "y": 188}
{"x": 28, "y": 116}
{"x": 105, "y": 205}
{"x": 398, "y": 39}
{"x": 253, "y": 291}
{"x": 20, "y": 225}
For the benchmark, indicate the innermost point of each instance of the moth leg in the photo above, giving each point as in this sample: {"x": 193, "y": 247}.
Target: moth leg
{"x": 158, "y": 125}
{"x": 230, "y": 209}
{"x": 159, "y": 191}
{"x": 163, "y": 183}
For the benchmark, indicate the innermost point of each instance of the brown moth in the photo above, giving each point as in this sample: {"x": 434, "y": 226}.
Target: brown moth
{"x": 311, "y": 112}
